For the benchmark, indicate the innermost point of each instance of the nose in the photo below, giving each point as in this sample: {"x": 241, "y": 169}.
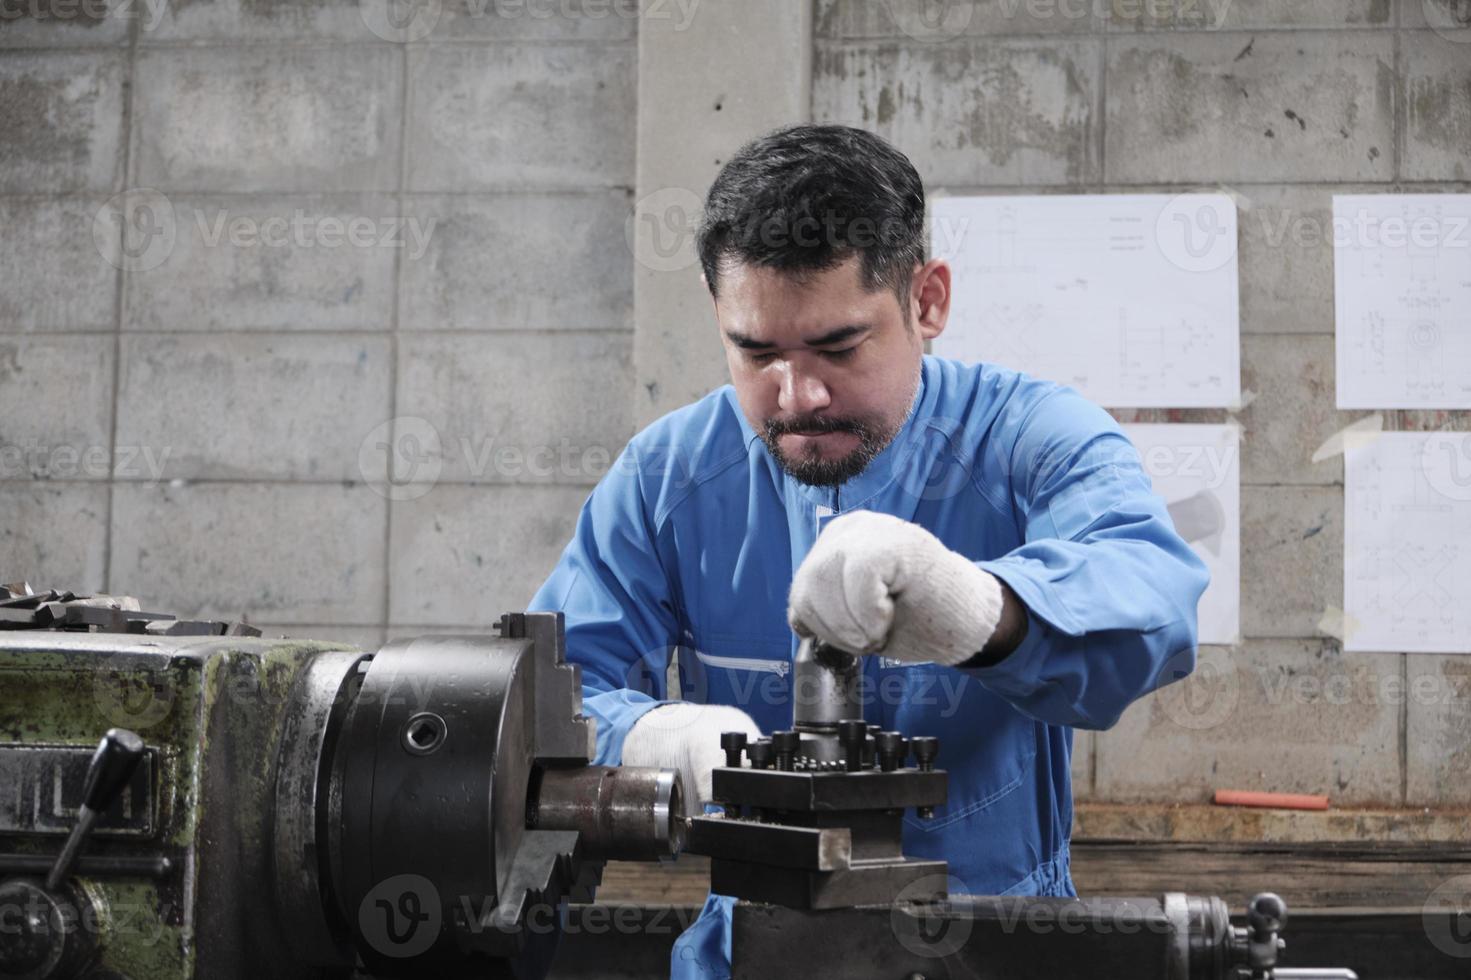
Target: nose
{"x": 802, "y": 390}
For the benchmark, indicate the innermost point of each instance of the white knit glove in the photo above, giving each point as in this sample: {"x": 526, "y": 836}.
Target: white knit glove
{"x": 873, "y": 583}
{"x": 684, "y": 736}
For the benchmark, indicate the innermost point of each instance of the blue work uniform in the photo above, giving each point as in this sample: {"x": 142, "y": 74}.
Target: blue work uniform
{"x": 687, "y": 546}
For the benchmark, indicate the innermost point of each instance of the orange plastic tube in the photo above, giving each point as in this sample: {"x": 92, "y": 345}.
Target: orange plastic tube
{"x": 1285, "y": 801}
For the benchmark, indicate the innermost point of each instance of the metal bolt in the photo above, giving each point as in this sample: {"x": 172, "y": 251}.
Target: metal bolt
{"x": 734, "y": 743}
{"x": 786, "y": 745}
{"x": 925, "y": 748}
{"x": 853, "y": 734}
{"x": 760, "y": 753}
{"x": 892, "y": 750}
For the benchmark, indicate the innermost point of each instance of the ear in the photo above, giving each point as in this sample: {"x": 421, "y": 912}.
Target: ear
{"x": 929, "y": 298}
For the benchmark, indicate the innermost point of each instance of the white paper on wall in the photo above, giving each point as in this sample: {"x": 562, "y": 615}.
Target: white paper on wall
{"x": 1130, "y": 298}
{"x": 1197, "y": 470}
{"x": 1407, "y": 542}
{"x": 1402, "y": 300}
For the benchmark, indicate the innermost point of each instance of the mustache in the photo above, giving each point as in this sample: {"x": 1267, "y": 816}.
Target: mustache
{"x": 813, "y": 425}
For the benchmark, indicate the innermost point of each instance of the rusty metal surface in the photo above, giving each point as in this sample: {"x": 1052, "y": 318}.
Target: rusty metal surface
{"x": 226, "y": 871}
{"x": 204, "y": 706}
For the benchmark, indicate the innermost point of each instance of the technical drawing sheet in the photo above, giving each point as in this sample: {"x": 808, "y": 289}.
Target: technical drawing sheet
{"x": 1197, "y": 470}
{"x": 1130, "y": 298}
{"x": 1407, "y": 542}
{"x": 1402, "y": 300}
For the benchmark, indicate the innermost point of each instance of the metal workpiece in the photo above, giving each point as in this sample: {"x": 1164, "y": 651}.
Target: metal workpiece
{"x": 825, "y": 687}
{"x": 620, "y": 813}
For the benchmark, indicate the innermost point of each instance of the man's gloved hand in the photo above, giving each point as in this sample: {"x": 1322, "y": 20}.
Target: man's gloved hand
{"x": 684, "y": 736}
{"x": 873, "y": 583}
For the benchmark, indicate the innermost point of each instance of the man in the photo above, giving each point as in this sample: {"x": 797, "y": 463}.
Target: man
{"x": 989, "y": 539}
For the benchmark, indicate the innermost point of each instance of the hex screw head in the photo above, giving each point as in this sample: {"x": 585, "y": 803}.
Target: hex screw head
{"x": 892, "y": 750}
{"x": 925, "y": 748}
{"x": 734, "y": 743}
{"x": 786, "y": 745}
{"x": 853, "y": 734}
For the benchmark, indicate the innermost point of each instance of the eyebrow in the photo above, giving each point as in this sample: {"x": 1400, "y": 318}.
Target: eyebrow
{"x": 831, "y": 337}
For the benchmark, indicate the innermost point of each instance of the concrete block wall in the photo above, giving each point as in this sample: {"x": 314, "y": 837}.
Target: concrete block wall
{"x": 1283, "y": 105}
{"x": 252, "y": 255}
{"x": 394, "y": 435}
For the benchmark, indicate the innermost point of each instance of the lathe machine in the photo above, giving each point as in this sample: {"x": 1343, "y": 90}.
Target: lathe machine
{"x": 192, "y": 800}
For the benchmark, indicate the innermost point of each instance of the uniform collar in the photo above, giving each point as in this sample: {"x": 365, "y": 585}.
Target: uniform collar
{"x": 880, "y": 473}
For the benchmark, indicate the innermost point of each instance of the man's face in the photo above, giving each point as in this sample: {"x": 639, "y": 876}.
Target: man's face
{"x": 826, "y": 370}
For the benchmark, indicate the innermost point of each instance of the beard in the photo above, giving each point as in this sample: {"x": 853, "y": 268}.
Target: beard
{"x": 874, "y": 435}
{"x": 815, "y": 470}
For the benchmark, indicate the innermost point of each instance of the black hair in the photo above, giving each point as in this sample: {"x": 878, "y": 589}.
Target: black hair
{"x": 806, "y": 198}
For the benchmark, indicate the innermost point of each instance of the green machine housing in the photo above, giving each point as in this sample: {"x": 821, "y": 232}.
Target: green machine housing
{"x": 304, "y": 808}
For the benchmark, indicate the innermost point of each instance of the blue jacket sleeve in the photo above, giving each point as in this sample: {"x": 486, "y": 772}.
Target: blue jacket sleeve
{"x": 620, "y": 613}
{"x": 1110, "y": 587}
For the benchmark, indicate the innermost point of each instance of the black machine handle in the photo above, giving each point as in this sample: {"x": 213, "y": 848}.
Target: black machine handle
{"x": 113, "y": 765}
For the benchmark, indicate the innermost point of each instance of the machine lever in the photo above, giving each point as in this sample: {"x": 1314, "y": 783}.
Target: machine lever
{"x": 113, "y": 765}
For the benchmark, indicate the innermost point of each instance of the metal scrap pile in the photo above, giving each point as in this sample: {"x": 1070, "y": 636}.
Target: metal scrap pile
{"x": 23, "y": 608}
